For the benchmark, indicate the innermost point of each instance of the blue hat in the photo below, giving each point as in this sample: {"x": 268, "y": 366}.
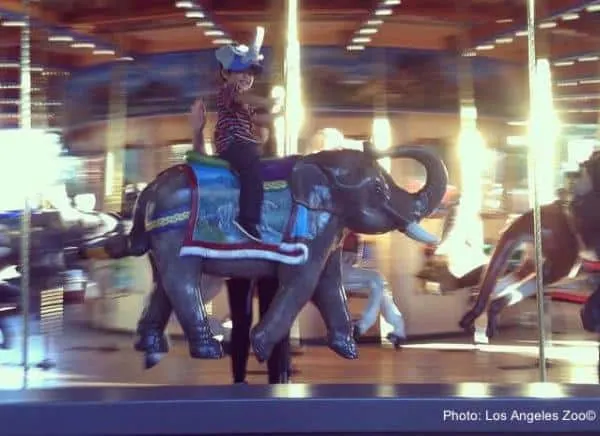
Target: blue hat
{"x": 239, "y": 58}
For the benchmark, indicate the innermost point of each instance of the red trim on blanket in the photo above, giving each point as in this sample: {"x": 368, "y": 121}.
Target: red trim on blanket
{"x": 189, "y": 240}
{"x": 590, "y": 266}
{"x": 569, "y": 297}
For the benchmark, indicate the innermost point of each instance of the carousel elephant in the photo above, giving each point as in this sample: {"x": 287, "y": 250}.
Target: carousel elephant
{"x": 313, "y": 200}
{"x": 570, "y": 231}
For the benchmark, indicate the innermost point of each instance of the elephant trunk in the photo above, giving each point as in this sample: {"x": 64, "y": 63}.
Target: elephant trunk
{"x": 429, "y": 197}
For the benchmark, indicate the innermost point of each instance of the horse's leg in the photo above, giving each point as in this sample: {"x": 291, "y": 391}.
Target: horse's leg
{"x": 239, "y": 294}
{"x": 181, "y": 280}
{"x": 365, "y": 282}
{"x": 330, "y": 299}
{"x": 279, "y": 364}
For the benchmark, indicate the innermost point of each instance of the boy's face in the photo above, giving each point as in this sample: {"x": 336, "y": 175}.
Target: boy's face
{"x": 244, "y": 79}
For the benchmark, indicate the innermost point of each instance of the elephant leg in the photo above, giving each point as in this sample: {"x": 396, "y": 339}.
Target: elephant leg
{"x": 239, "y": 294}
{"x": 296, "y": 287}
{"x": 330, "y": 299}
{"x": 278, "y": 365}
{"x": 151, "y": 337}
{"x": 181, "y": 279}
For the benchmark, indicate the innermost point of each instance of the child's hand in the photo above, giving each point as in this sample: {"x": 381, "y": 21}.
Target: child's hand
{"x": 198, "y": 115}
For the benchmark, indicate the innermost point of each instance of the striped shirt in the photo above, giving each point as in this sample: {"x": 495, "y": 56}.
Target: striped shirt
{"x": 234, "y": 120}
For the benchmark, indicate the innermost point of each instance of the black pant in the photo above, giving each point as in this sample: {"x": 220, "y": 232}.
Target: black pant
{"x": 239, "y": 292}
{"x": 244, "y": 158}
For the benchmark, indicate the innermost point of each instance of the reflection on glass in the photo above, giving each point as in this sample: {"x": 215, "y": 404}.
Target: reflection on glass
{"x": 473, "y": 390}
{"x": 293, "y": 390}
{"x": 545, "y": 390}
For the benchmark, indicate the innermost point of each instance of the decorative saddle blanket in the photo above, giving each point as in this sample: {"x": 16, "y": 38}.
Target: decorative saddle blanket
{"x": 285, "y": 226}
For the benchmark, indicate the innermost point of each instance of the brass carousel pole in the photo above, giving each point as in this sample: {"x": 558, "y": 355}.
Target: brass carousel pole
{"x": 535, "y": 130}
{"x": 25, "y": 125}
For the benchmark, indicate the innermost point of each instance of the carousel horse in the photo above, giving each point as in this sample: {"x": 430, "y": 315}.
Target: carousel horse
{"x": 358, "y": 280}
{"x": 570, "y": 232}
{"x": 184, "y": 219}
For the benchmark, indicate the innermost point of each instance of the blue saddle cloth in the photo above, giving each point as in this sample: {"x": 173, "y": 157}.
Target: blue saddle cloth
{"x": 285, "y": 226}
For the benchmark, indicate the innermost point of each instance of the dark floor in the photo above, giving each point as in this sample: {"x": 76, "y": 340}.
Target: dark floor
{"x": 86, "y": 357}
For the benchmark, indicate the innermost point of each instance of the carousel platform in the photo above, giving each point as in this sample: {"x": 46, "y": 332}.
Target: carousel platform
{"x": 300, "y": 409}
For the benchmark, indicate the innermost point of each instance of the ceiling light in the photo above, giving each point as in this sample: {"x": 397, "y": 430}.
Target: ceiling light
{"x": 222, "y": 41}
{"x": 368, "y": 31}
{"x": 564, "y": 63}
{"x": 589, "y": 81}
{"x": 214, "y": 33}
{"x": 13, "y": 23}
{"x": 126, "y": 58}
{"x": 588, "y": 58}
{"x": 485, "y": 47}
{"x": 521, "y": 33}
{"x": 83, "y": 45}
{"x": 355, "y": 47}
{"x": 9, "y": 65}
{"x": 374, "y": 22}
{"x": 504, "y": 20}
{"x": 194, "y": 14}
{"x": 392, "y": 2}
{"x": 593, "y": 8}
{"x": 382, "y": 12}
{"x": 60, "y": 38}
{"x": 506, "y": 40}
{"x": 569, "y": 17}
{"x": 104, "y": 52}
{"x": 205, "y": 24}
{"x": 571, "y": 83}
{"x": 547, "y": 25}
{"x": 361, "y": 40}
{"x": 184, "y": 5}
{"x": 469, "y": 53}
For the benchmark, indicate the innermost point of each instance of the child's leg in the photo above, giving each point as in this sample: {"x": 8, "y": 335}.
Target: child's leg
{"x": 245, "y": 160}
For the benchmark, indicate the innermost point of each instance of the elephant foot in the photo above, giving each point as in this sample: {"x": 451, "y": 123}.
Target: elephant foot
{"x": 210, "y": 349}
{"x": 152, "y": 342}
{"x": 396, "y": 340}
{"x": 152, "y": 359}
{"x": 343, "y": 345}
{"x": 202, "y": 344}
{"x": 260, "y": 345}
{"x": 154, "y": 345}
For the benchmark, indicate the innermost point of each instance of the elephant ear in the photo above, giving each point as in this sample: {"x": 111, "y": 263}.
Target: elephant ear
{"x": 311, "y": 188}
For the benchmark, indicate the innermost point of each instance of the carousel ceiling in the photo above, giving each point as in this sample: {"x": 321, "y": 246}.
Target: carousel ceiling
{"x": 73, "y": 33}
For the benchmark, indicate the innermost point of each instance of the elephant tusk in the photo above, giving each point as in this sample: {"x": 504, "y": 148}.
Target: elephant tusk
{"x": 418, "y": 233}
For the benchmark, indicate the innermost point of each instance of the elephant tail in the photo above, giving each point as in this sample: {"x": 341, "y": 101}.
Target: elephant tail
{"x": 139, "y": 240}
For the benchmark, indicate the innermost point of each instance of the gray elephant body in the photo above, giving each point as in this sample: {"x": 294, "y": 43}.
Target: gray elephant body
{"x": 347, "y": 188}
